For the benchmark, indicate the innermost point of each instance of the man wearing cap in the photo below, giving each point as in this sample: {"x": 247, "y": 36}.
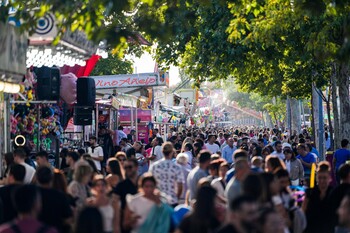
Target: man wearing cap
{"x": 96, "y": 152}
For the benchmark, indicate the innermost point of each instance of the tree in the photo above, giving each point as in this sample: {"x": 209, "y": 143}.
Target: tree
{"x": 112, "y": 65}
{"x": 118, "y": 23}
{"x": 263, "y": 104}
{"x": 328, "y": 41}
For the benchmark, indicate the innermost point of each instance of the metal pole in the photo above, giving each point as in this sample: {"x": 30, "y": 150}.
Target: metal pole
{"x": 132, "y": 117}
{"x": 321, "y": 128}
{"x": 96, "y": 120}
{"x": 7, "y": 123}
{"x": 303, "y": 111}
{"x": 136, "y": 128}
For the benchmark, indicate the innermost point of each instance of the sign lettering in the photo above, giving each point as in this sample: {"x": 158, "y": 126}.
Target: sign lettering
{"x": 127, "y": 80}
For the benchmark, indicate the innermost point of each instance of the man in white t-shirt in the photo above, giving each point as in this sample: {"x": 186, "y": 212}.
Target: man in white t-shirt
{"x": 156, "y": 152}
{"x": 169, "y": 175}
{"x": 19, "y": 156}
{"x": 96, "y": 152}
{"x": 211, "y": 146}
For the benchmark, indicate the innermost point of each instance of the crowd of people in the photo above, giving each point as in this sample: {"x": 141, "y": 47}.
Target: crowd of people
{"x": 216, "y": 180}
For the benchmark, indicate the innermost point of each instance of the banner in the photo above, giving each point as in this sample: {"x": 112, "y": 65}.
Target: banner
{"x": 129, "y": 80}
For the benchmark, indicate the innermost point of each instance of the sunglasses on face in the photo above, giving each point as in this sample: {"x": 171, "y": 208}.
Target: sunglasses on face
{"x": 128, "y": 167}
{"x": 121, "y": 159}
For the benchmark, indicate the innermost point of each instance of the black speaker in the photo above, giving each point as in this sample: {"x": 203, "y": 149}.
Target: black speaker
{"x": 86, "y": 92}
{"x": 48, "y": 81}
{"x": 82, "y": 115}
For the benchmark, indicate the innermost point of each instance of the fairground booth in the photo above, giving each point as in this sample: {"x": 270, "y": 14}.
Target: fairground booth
{"x": 36, "y": 114}
{"x": 133, "y": 94}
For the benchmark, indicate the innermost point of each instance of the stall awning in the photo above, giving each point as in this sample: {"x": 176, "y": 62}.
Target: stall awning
{"x": 174, "y": 110}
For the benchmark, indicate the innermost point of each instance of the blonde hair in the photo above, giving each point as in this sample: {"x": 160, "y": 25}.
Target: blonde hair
{"x": 120, "y": 153}
{"x": 182, "y": 159}
{"x": 187, "y": 140}
{"x": 81, "y": 171}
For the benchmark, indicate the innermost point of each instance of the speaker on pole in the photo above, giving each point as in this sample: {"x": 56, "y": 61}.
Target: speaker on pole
{"x": 48, "y": 81}
{"x": 86, "y": 91}
{"x": 83, "y": 115}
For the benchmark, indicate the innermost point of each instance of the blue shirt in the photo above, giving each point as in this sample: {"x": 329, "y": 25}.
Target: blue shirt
{"x": 229, "y": 174}
{"x": 265, "y": 142}
{"x": 227, "y": 153}
{"x": 315, "y": 151}
{"x": 341, "y": 156}
{"x": 309, "y": 158}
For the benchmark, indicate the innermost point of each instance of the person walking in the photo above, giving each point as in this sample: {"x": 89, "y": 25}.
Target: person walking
{"x": 96, "y": 152}
{"x": 340, "y": 157}
{"x": 169, "y": 175}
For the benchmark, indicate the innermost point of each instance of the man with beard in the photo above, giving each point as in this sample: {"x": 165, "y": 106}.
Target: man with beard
{"x": 243, "y": 214}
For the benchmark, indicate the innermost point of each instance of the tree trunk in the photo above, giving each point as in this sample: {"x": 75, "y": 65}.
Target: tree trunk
{"x": 288, "y": 116}
{"x": 263, "y": 120}
{"x": 315, "y": 115}
{"x": 276, "y": 120}
{"x": 336, "y": 121}
{"x": 344, "y": 101}
{"x": 311, "y": 117}
{"x": 269, "y": 123}
{"x": 295, "y": 114}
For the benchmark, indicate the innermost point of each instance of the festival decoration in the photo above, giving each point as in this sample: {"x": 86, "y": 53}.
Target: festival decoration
{"x": 312, "y": 175}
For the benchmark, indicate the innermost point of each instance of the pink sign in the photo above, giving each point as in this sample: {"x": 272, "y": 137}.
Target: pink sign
{"x": 128, "y": 80}
{"x": 143, "y": 115}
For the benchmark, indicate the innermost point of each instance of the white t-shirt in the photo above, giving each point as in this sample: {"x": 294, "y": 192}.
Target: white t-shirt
{"x": 157, "y": 152}
{"x": 30, "y": 171}
{"x": 141, "y": 207}
{"x": 168, "y": 174}
{"x": 189, "y": 158}
{"x": 213, "y": 148}
{"x": 217, "y": 184}
{"x": 98, "y": 152}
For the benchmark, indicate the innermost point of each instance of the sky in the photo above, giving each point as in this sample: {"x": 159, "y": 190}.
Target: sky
{"x": 145, "y": 64}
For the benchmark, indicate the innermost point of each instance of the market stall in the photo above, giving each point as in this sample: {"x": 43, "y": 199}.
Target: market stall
{"x": 134, "y": 92}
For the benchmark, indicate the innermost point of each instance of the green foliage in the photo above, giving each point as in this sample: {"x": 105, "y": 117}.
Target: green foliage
{"x": 112, "y": 65}
{"x": 273, "y": 48}
{"x": 276, "y": 109}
